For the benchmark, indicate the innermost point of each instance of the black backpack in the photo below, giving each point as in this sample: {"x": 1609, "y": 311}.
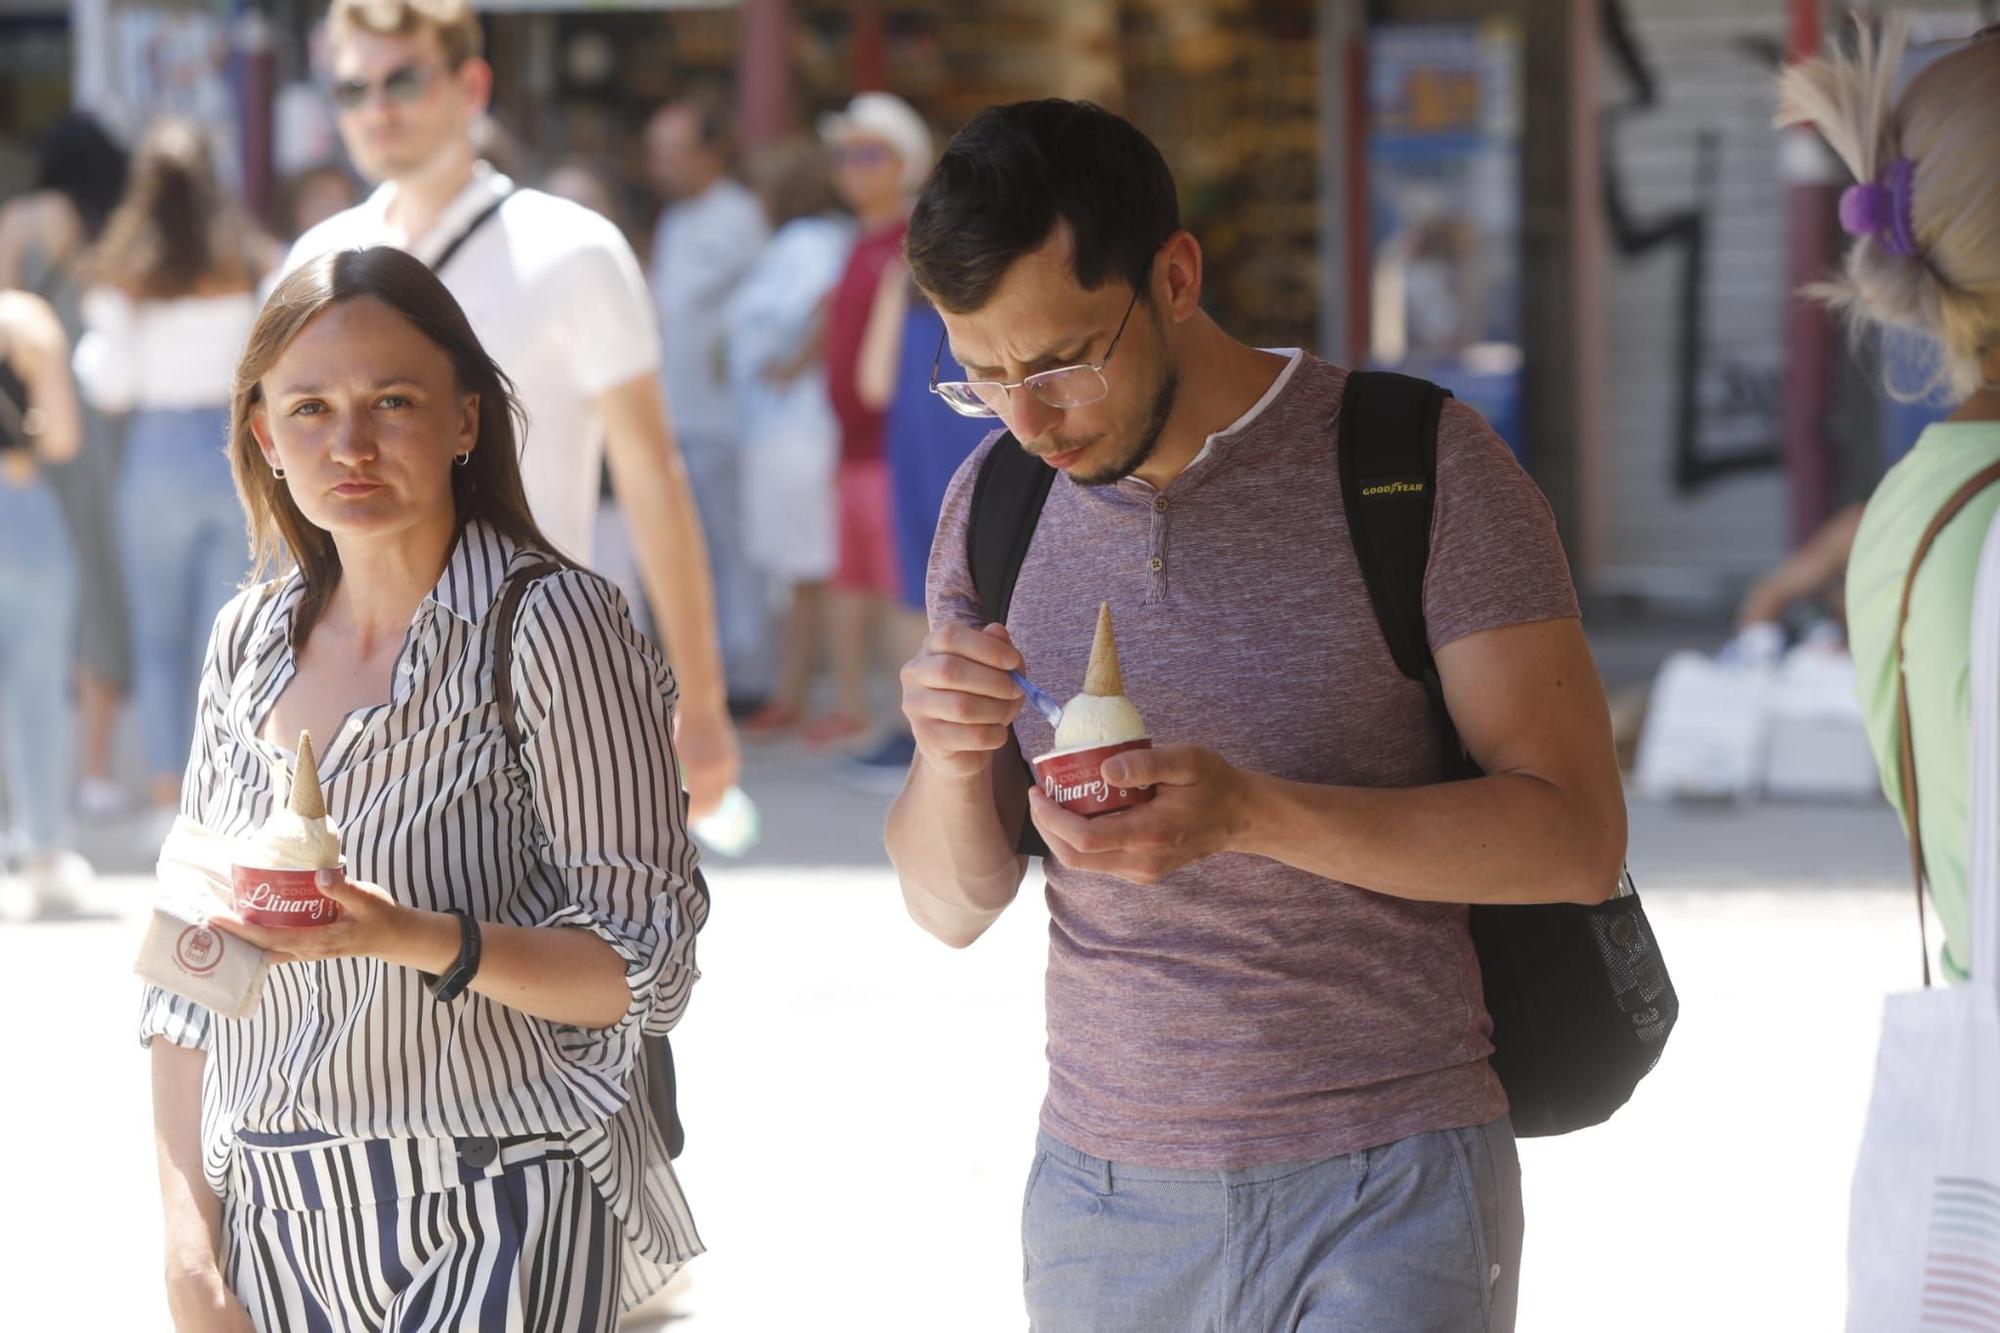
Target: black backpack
{"x": 1580, "y": 998}
{"x": 661, "y": 1089}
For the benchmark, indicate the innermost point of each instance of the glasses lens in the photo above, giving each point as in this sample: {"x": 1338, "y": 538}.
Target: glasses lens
{"x": 406, "y": 84}
{"x": 1071, "y": 386}
{"x": 972, "y": 400}
{"x": 349, "y": 93}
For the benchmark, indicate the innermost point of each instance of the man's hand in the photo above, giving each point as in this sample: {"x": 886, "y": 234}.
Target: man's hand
{"x": 959, "y": 699}
{"x": 705, "y": 743}
{"x": 1200, "y": 806}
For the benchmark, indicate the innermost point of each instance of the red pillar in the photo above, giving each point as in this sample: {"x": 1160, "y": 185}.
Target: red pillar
{"x": 765, "y": 109}
{"x": 871, "y": 49}
{"x": 1811, "y": 245}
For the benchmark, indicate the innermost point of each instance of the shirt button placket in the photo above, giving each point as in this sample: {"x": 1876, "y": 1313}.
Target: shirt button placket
{"x": 1156, "y": 566}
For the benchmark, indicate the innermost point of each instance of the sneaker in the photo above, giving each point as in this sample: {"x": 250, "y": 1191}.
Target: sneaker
{"x": 56, "y": 883}
{"x": 883, "y": 769}
{"x": 101, "y": 798}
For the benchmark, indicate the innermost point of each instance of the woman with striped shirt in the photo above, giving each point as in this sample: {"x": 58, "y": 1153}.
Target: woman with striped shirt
{"x": 382, "y": 1143}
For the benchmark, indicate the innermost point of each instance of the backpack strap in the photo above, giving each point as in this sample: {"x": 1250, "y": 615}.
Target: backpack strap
{"x": 1007, "y": 499}
{"x": 511, "y": 593}
{"x": 1906, "y": 744}
{"x": 1386, "y": 446}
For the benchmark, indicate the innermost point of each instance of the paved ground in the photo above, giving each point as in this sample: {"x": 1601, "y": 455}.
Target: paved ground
{"x": 861, "y": 1101}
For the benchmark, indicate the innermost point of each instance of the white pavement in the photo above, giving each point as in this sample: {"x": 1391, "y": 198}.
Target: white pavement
{"x": 860, "y": 1101}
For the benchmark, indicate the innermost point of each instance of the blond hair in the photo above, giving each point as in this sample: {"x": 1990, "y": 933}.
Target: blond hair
{"x": 456, "y": 26}
{"x": 1947, "y": 124}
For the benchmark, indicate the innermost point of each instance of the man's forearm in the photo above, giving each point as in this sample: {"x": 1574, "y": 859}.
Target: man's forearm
{"x": 954, "y": 852}
{"x": 1506, "y": 838}
{"x": 673, "y": 564}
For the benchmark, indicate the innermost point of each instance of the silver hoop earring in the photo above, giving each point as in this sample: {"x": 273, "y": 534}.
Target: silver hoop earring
{"x": 462, "y": 459}
{"x": 278, "y": 472}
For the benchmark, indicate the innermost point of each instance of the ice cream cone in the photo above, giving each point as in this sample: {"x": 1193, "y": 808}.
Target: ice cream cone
{"x": 307, "y": 801}
{"x": 1103, "y": 677}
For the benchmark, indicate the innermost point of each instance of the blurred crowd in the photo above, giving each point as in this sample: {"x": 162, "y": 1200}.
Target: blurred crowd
{"x": 795, "y": 361}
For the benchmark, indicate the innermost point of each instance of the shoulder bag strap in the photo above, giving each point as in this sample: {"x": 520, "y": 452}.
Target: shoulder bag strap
{"x": 1906, "y": 744}
{"x": 485, "y": 215}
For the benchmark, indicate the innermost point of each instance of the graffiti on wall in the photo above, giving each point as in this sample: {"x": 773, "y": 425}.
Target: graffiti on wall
{"x": 1727, "y": 396}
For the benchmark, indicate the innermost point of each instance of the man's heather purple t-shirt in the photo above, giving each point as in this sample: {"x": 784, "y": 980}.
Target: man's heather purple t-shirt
{"x": 1241, "y": 1012}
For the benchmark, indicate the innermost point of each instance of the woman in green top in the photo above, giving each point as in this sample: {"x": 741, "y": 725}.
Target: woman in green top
{"x": 1926, "y": 218}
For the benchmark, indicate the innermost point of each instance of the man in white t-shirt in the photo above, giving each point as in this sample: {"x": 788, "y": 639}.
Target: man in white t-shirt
{"x": 555, "y": 294}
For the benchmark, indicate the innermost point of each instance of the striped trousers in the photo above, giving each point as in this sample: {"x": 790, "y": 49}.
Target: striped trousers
{"x": 327, "y": 1235}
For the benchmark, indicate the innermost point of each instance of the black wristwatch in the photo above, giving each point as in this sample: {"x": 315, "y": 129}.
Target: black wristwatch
{"x": 463, "y": 968}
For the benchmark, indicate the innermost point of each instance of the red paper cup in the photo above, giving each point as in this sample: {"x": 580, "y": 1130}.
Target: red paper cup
{"x": 281, "y": 897}
{"x": 1074, "y": 779}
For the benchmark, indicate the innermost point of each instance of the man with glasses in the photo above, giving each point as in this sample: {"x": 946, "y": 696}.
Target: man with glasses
{"x": 1269, "y": 1103}
{"x": 555, "y": 294}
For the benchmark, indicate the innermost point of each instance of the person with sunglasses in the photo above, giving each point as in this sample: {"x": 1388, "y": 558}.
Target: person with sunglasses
{"x": 1270, "y": 1103}
{"x": 556, "y": 293}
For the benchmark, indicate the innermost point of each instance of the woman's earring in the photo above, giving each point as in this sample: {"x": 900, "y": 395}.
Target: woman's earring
{"x": 462, "y": 459}
{"x": 277, "y": 472}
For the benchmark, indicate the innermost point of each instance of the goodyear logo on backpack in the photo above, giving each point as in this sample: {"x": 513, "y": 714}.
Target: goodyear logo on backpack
{"x": 1394, "y": 488}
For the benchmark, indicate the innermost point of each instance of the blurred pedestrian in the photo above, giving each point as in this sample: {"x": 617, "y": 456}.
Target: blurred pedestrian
{"x": 707, "y": 238}
{"x": 315, "y": 194}
{"x": 555, "y": 292}
{"x": 458, "y": 1060}
{"x": 44, "y": 236}
{"x": 777, "y": 372}
{"x": 924, "y": 442}
{"x": 40, "y": 425}
{"x": 173, "y": 296}
{"x": 881, "y": 151}
{"x": 1925, "y": 256}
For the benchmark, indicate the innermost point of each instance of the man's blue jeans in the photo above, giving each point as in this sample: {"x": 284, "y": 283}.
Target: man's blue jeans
{"x": 1420, "y": 1234}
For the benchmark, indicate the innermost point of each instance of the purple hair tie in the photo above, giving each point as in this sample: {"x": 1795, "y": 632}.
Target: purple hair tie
{"x": 1881, "y": 209}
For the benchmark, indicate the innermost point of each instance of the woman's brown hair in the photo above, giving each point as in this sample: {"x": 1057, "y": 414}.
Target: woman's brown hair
{"x": 175, "y": 233}
{"x": 488, "y": 487}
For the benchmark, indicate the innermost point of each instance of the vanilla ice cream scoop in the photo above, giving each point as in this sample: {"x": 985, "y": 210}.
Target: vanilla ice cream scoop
{"x": 300, "y": 837}
{"x": 1101, "y": 715}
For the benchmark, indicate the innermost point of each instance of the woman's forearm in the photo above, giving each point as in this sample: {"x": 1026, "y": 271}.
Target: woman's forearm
{"x": 192, "y": 1213}
{"x": 558, "y": 973}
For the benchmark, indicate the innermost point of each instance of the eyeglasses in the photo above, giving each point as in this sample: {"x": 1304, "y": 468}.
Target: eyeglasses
{"x": 861, "y": 154}
{"x": 1062, "y": 388}
{"x": 401, "y": 85}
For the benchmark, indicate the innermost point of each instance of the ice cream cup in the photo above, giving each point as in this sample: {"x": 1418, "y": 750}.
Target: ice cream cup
{"x": 1074, "y": 779}
{"x": 267, "y": 897}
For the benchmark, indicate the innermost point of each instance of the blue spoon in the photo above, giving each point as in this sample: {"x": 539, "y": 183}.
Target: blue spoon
{"x": 1039, "y": 697}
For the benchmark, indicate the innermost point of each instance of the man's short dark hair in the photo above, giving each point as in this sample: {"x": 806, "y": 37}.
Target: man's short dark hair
{"x": 1013, "y": 172}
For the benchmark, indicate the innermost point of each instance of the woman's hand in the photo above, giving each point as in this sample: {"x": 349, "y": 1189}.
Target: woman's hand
{"x": 203, "y": 1303}
{"x": 371, "y": 925}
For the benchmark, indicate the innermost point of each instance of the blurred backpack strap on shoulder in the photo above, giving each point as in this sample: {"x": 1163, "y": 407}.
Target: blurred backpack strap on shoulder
{"x": 457, "y": 243}
{"x": 1906, "y": 743}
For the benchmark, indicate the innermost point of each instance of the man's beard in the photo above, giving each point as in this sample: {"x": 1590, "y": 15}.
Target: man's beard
{"x": 1147, "y": 440}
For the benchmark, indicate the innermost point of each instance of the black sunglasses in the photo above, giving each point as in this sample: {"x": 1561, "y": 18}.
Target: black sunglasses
{"x": 401, "y": 85}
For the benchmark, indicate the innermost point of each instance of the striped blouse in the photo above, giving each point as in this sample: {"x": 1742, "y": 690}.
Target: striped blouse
{"x": 582, "y": 826}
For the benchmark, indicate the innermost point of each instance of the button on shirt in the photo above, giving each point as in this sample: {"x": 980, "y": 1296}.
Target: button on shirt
{"x": 702, "y": 248}
{"x": 1242, "y": 1012}
{"x": 581, "y": 827}
{"x": 557, "y": 299}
